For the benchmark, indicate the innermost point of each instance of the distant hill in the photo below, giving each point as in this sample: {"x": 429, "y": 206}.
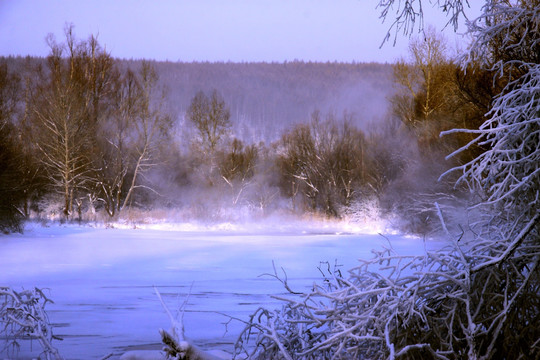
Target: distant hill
{"x": 267, "y": 98}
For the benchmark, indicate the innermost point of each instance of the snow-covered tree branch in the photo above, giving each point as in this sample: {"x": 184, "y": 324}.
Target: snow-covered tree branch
{"x": 440, "y": 305}
{"x": 23, "y": 317}
{"x": 508, "y": 173}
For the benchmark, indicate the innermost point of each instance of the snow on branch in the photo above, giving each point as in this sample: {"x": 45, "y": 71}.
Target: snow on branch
{"x": 23, "y": 317}
{"x": 462, "y": 301}
{"x": 508, "y": 171}
{"x": 176, "y": 346}
{"x": 513, "y": 25}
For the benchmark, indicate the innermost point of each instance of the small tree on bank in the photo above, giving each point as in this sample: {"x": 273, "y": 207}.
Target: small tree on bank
{"x": 323, "y": 164}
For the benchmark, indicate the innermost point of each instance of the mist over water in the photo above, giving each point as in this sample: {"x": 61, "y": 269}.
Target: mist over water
{"x": 101, "y": 280}
{"x": 265, "y": 102}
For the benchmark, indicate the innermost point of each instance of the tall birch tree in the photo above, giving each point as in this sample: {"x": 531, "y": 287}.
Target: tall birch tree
{"x": 66, "y": 109}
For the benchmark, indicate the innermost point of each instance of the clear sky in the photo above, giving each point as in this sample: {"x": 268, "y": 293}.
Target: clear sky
{"x": 209, "y": 30}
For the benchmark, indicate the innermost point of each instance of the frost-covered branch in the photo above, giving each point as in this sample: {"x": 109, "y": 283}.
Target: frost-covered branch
{"x": 176, "y": 346}
{"x": 456, "y": 302}
{"x": 508, "y": 172}
{"x": 505, "y": 34}
{"x": 23, "y": 317}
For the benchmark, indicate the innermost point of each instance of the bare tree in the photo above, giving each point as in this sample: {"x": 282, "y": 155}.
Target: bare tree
{"x": 116, "y": 135}
{"x": 61, "y": 127}
{"x": 95, "y": 129}
{"x": 211, "y": 118}
{"x": 237, "y": 167}
{"x": 150, "y": 127}
{"x": 65, "y": 111}
{"x": 324, "y": 162}
{"x": 425, "y": 99}
{"x": 296, "y": 162}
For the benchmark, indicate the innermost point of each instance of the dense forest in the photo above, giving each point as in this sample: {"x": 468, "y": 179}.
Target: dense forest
{"x": 87, "y": 137}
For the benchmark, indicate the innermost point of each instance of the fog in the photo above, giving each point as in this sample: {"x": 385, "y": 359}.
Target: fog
{"x": 266, "y": 101}
{"x": 295, "y": 140}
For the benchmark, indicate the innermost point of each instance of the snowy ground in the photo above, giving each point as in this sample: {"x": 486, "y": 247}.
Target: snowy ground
{"x": 102, "y": 279}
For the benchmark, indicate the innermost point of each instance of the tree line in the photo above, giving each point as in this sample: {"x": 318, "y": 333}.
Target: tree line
{"x": 84, "y": 134}
{"x": 266, "y": 98}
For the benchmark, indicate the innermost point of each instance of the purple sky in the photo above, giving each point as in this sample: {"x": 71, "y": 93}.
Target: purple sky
{"x": 210, "y": 30}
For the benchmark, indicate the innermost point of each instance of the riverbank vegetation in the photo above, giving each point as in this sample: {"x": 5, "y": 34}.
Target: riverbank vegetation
{"x": 86, "y": 137}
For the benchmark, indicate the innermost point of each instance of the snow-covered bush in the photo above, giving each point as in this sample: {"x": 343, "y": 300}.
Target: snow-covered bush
{"x": 448, "y": 304}
{"x": 23, "y": 317}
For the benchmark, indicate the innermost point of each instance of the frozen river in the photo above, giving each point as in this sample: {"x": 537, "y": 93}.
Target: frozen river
{"x": 102, "y": 280}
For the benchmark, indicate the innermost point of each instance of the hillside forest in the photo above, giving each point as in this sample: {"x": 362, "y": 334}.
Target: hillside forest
{"x": 88, "y": 137}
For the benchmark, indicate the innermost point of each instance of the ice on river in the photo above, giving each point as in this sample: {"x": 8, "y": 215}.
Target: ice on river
{"x": 101, "y": 280}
